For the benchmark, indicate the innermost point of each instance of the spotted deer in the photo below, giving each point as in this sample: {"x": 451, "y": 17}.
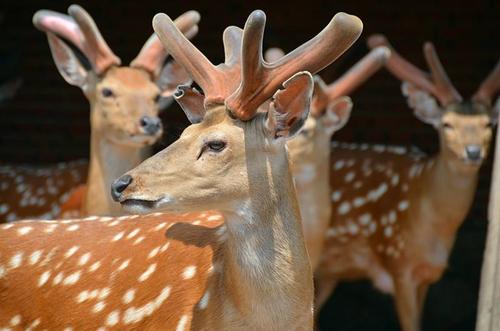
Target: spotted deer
{"x": 394, "y": 215}
{"x": 310, "y": 150}
{"x": 243, "y": 266}
{"x": 124, "y": 105}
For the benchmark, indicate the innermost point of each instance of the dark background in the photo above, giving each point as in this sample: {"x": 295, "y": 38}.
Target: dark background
{"x": 48, "y": 120}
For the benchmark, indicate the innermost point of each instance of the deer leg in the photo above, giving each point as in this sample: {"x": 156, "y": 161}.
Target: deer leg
{"x": 421, "y": 296}
{"x": 324, "y": 288}
{"x": 407, "y": 304}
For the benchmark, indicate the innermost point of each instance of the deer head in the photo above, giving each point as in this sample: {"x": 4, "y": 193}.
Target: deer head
{"x": 125, "y": 101}
{"x": 465, "y": 127}
{"x": 230, "y": 149}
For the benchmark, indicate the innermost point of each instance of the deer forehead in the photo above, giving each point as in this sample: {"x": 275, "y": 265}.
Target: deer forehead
{"x": 466, "y": 120}
{"x": 128, "y": 78}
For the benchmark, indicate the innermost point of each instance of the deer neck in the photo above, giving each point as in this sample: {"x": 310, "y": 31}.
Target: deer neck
{"x": 312, "y": 180}
{"x": 452, "y": 186}
{"x": 108, "y": 161}
{"x": 266, "y": 264}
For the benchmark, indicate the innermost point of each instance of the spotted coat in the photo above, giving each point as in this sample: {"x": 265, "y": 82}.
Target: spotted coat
{"x": 126, "y": 278}
{"x": 38, "y": 192}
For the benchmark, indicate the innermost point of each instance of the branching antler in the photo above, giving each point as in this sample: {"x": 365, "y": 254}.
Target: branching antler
{"x": 153, "y": 54}
{"x": 489, "y": 87}
{"x": 80, "y": 29}
{"x": 352, "y": 79}
{"x": 437, "y": 83}
{"x": 245, "y": 81}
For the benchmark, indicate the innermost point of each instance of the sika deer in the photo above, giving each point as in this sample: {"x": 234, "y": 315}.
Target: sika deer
{"x": 124, "y": 106}
{"x": 165, "y": 271}
{"x": 395, "y": 217}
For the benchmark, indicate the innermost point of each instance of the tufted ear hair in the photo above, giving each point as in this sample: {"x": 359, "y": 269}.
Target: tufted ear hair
{"x": 289, "y": 107}
{"x": 337, "y": 114}
{"x": 424, "y": 105}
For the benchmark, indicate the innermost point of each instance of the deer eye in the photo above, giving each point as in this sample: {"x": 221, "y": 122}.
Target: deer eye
{"x": 489, "y": 125}
{"x": 216, "y": 145}
{"x": 106, "y": 92}
{"x": 447, "y": 126}
{"x": 157, "y": 98}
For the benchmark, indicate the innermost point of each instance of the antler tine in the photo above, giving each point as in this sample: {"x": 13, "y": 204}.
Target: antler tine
{"x": 232, "y": 45}
{"x": 63, "y": 25}
{"x": 312, "y": 56}
{"x": 203, "y": 72}
{"x": 98, "y": 50}
{"x": 401, "y": 68}
{"x": 359, "y": 73}
{"x": 489, "y": 87}
{"x": 153, "y": 54}
{"x": 444, "y": 90}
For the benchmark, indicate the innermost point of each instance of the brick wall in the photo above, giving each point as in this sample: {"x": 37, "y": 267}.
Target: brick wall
{"x": 47, "y": 120}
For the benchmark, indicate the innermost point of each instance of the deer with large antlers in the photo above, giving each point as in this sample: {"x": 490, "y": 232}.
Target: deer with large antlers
{"x": 191, "y": 271}
{"x": 395, "y": 216}
{"x": 124, "y": 106}
{"x": 310, "y": 150}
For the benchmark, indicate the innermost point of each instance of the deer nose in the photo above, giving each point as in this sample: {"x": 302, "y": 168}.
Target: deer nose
{"x": 473, "y": 152}
{"x": 150, "y": 125}
{"x": 119, "y": 186}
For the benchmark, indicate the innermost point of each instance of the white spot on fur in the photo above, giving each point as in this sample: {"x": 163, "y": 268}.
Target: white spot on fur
{"x": 84, "y": 259}
{"x": 339, "y": 164}
{"x": 44, "y": 278}
{"x": 153, "y": 252}
{"x": 403, "y": 205}
{"x": 336, "y": 195}
{"x": 344, "y": 208}
{"x": 95, "y": 266}
{"x": 73, "y": 227}
{"x": 71, "y": 251}
{"x": 349, "y": 177}
{"x": 138, "y": 240}
{"x": 35, "y": 257}
{"x": 204, "y": 300}
{"x": 145, "y": 275}
{"x": 15, "y": 320}
{"x": 16, "y": 260}
{"x": 182, "y": 323}
{"x": 133, "y": 233}
{"x": 189, "y": 272}
{"x": 72, "y": 279}
{"x": 118, "y": 236}
{"x": 129, "y": 296}
{"x": 388, "y": 231}
{"x": 358, "y": 202}
{"x": 124, "y": 265}
{"x": 365, "y": 219}
{"x": 113, "y": 318}
{"x": 24, "y": 230}
{"x": 395, "y": 180}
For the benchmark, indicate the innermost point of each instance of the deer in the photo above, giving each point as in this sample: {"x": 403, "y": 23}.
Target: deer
{"x": 395, "y": 214}
{"x": 217, "y": 242}
{"x": 310, "y": 149}
{"x": 124, "y": 105}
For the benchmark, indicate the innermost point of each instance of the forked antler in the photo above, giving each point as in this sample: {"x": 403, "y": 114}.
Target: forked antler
{"x": 244, "y": 90}
{"x": 357, "y": 75}
{"x": 153, "y": 54}
{"x": 489, "y": 87}
{"x": 437, "y": 83}
{"x": 81, "y": 30}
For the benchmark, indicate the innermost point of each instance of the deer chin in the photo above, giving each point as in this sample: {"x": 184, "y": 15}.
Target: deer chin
{"x": 143, "y": 206}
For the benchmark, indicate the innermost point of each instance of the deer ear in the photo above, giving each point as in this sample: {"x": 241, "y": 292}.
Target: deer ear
{"x": 337, "y": 114}
{"x": 290, "y": 106}
{"x": 67, "y": 62}
{"x": 425, "y": 106}
{"x": 171, "y": 76}
{"x": 191, "y": 102}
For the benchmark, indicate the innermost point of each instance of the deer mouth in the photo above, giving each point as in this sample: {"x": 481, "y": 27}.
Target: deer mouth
{"x": 142, "y": 206}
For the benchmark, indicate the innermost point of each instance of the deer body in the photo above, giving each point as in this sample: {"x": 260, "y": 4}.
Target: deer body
{"x": 395, "y": 216}
{"x": 29, "y": 192}
{"x": 252, "y": 272}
